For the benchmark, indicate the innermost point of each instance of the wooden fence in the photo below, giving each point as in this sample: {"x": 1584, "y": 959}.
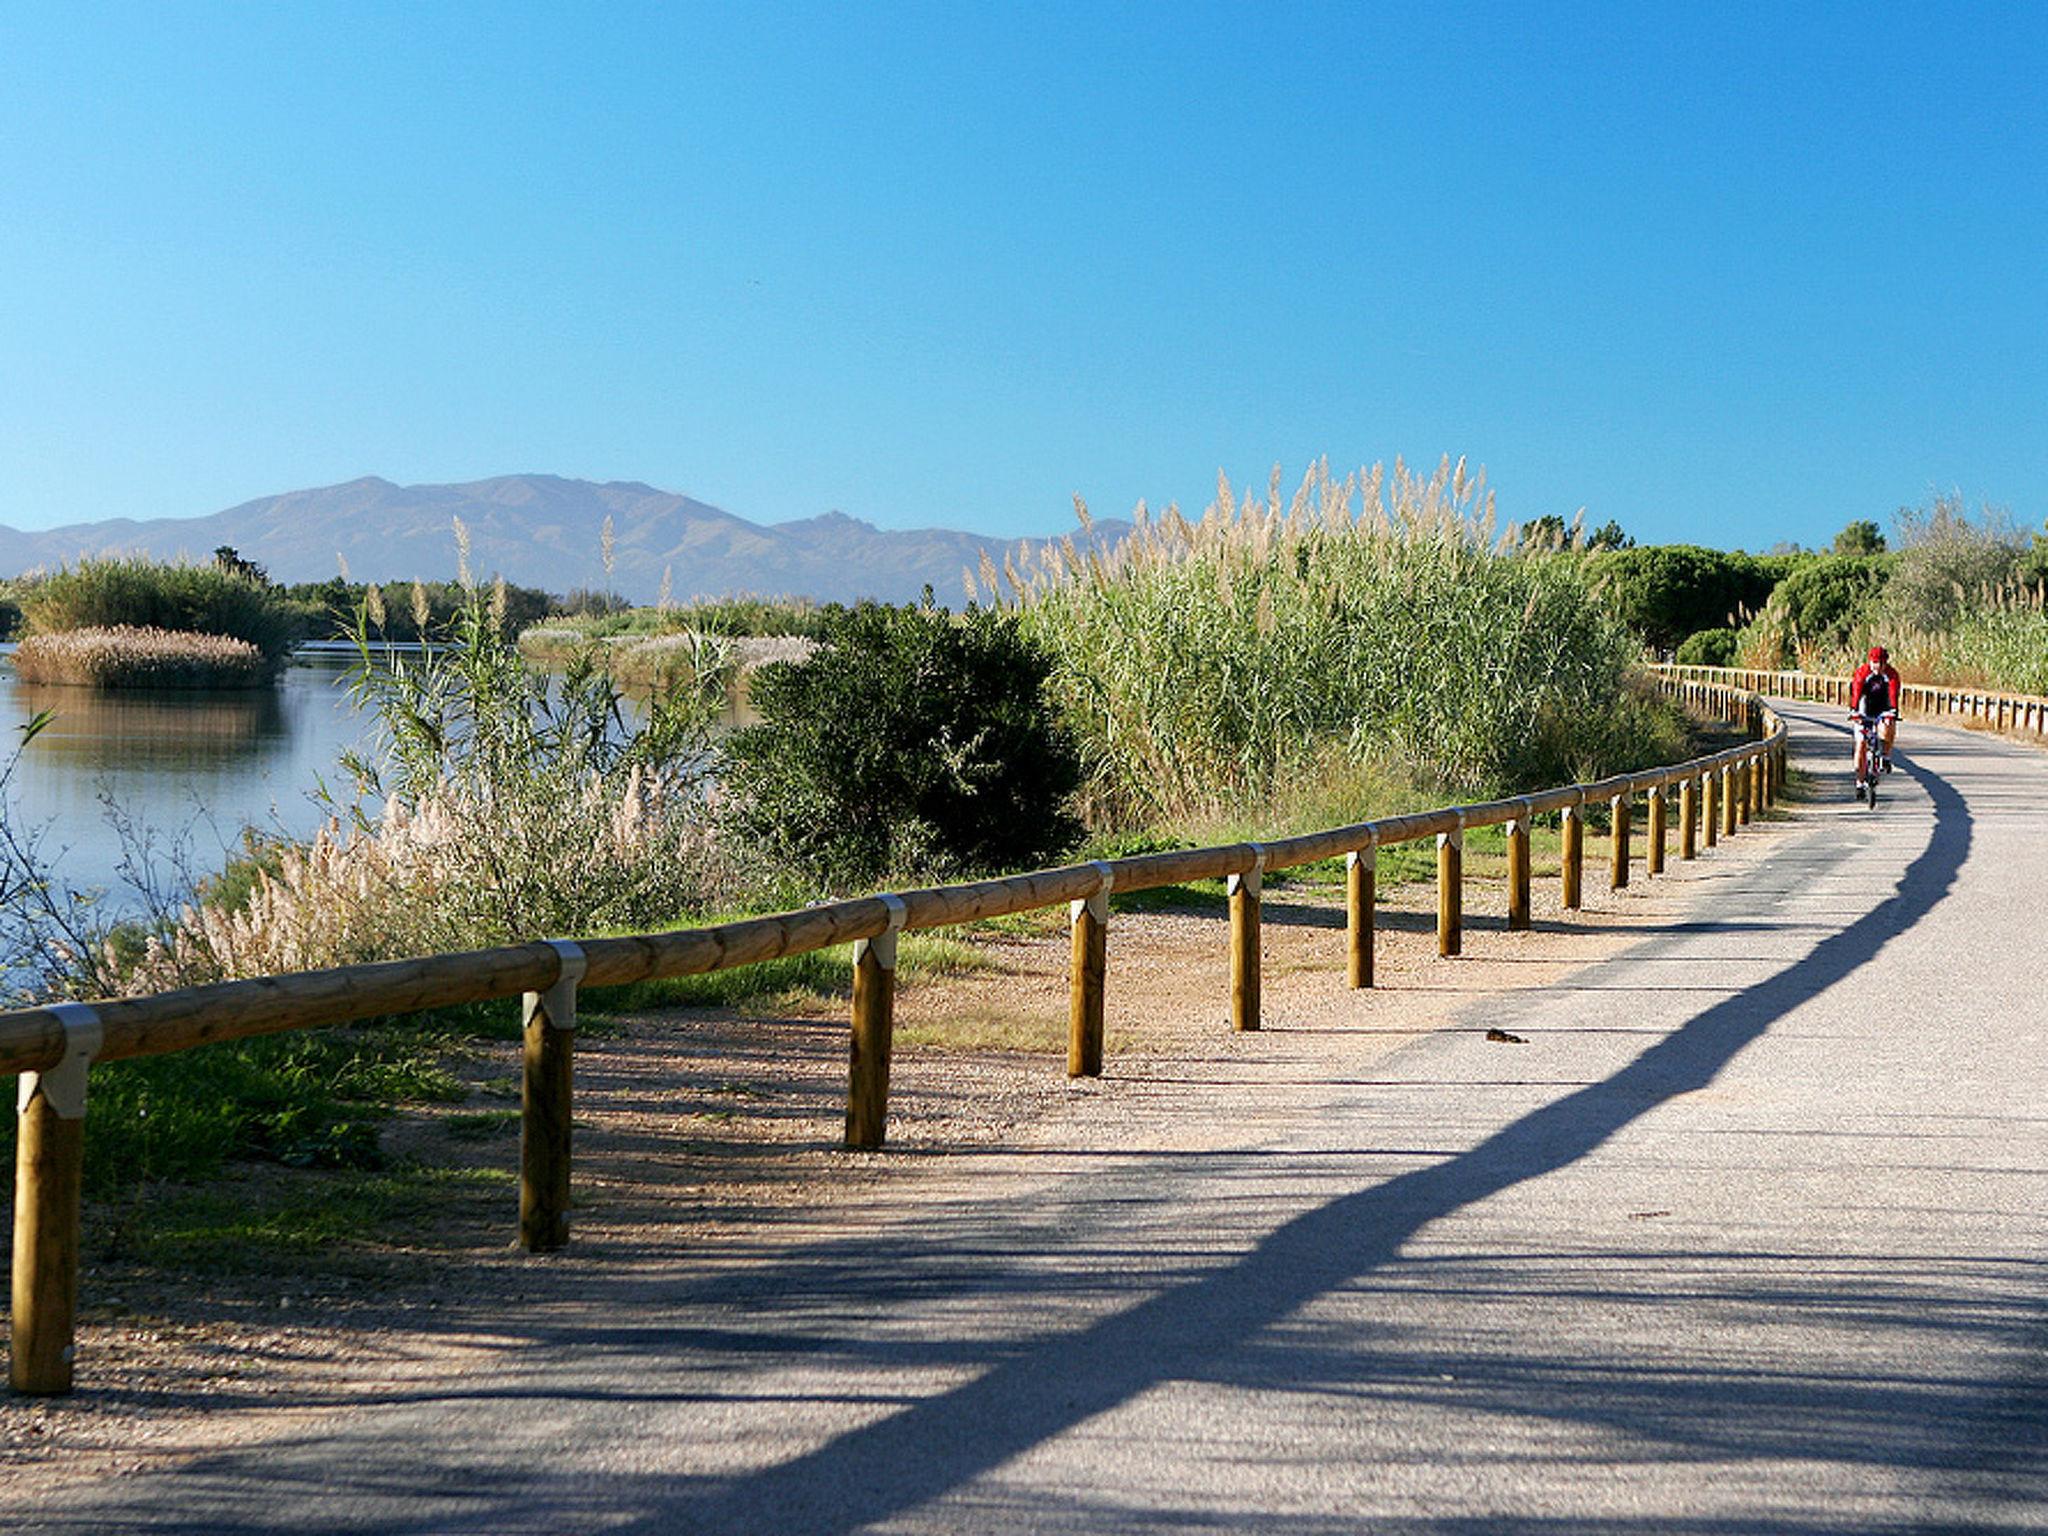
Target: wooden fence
{"x": 54, "y": 1047}
{"x": 2018, "y": 714}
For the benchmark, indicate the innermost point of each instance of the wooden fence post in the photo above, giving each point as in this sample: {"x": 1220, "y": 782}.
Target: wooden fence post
{"x": 1450, "y": 892}
{"x": 1361, "y": 877}
{"x": 1090, "y": 918}
{"x": 547, "y": 1093}
{"x": 1620, "y": 809}
{"x": 874, "y": 1028}
{"x": 1745, "y": 789}
{"x": 1658, "y": 817}
{"x": 1518, "y": 871}
{"x": 49, "y": 1172}
{"x": 1244, "y": 892}
{"x": 1688, "y": 818}
{"x": 1730, "y": 816}
{"x": 1710, "y": 805}
{"x": 1572, "y": 823}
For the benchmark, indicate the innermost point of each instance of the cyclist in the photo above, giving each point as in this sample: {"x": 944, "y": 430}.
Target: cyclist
{"x": 1874, "y": 694}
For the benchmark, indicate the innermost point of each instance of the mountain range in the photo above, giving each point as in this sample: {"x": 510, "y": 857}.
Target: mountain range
{"x": 545, "y": 531}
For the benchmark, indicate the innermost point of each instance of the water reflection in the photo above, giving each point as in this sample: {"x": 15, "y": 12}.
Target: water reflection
{"x": 96, "y": 728}
{"x": 195, "y": 764}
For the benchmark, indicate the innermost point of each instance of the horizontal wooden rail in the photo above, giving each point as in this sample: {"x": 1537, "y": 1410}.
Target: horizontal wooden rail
{"x": 55, "y": 1046}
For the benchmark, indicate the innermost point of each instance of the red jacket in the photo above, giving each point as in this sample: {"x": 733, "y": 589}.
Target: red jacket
{"x": 1871, "y": 669}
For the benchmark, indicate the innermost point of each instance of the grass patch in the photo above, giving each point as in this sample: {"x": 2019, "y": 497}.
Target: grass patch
{"x": 248, "y": 1226}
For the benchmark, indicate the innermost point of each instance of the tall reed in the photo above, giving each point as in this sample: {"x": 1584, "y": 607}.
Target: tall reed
{"x": 1206, "y": 663}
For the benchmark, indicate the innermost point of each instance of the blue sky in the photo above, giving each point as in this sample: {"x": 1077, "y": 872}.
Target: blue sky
{"x": 1735, "y": 274}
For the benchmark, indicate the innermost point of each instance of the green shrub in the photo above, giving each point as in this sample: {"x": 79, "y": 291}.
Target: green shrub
{"x": 1708, "y": 648}
{"x": 1816, "y": 608}
{"x": 10, "y": 616}
{"x": 109, "y": 593}
{"x": 1665, "y": 592}
{"x": 909, "y": 741}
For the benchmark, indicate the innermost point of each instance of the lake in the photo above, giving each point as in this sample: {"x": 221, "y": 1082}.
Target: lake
{"x": 192, "y": 765}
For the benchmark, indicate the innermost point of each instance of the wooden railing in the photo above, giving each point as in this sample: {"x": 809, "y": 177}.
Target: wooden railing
{"x": 2021, "y": 714}
{"x": 54, "y": 1047}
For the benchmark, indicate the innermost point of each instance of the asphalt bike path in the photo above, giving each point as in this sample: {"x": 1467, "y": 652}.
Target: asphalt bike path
{"x": 1746, "y": 1235}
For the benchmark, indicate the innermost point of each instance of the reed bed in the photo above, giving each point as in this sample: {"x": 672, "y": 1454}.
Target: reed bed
{"x": 1213, "y": 664}
{"x": 686, "y": 658}
{"x": 132, "y": 656}
{"x": 1998, "y": 640}
{"x": 118, "y": 592}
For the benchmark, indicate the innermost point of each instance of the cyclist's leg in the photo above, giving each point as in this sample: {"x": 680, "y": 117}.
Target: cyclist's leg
{"x": 1891, "y": 731}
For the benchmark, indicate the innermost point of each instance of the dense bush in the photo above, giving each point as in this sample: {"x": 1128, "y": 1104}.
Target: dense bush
{"x": 107, "y": 593}
{"x": 910, "y": 741}
{"x": 1212, "y": 665}
{"x": 1818, "y": 607}
{"x": 1665, "y": 592}
{"x": 10, "y": 615}
{"x": 1708, "y": 648}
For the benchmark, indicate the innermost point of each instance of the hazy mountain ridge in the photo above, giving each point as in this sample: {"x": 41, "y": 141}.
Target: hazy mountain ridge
{"x": 545, "y": 531}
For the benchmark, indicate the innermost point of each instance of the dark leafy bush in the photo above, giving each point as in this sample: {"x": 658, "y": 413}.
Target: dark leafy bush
{"x": 1708, "y": 648}
{"x": 1818, "y": 605}
{"x": 1665, "y": 592}
{"x": 910, "y": 741}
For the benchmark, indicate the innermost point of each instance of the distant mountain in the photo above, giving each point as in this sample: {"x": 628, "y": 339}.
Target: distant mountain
{"x": 544, "y": 531}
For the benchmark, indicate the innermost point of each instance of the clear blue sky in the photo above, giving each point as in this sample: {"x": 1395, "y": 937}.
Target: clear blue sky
{"x": 1726, "y": 273}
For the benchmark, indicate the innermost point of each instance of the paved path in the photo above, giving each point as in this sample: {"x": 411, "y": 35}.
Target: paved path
{"x": 1747, "y": 1238}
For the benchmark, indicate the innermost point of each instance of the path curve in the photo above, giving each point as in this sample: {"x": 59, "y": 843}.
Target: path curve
{"x": 1746, "y": 1237}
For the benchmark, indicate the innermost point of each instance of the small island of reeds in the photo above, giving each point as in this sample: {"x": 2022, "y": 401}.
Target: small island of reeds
{"x": 136, "y": 656}
{"x": 139, "y": 623}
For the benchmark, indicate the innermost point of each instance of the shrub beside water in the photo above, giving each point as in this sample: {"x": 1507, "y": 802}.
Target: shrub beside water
{"x": 910, "y": 741}
{"x": 130, "y": 657}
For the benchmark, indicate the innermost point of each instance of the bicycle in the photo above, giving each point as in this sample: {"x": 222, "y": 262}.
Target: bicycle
{"x": 1875, "y": 763}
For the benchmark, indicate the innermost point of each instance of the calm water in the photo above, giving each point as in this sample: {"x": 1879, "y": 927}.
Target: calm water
{"x": 196, "y": 765}
{"x": 193, "y": 766}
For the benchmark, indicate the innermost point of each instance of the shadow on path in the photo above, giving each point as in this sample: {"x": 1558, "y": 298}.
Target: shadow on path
{"x": 946, "y": 1441}
{"x": 1222, "y": 1326}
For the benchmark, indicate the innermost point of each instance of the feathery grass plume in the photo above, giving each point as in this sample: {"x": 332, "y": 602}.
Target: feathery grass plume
{"x": 665, "y": 599}
{"x": 1205, "y": 662}
{"x": 373, "y": 605}
{"x": 608, "y": 551}
{"x": 463, "y": 578}
{"x": 422, "y": 609}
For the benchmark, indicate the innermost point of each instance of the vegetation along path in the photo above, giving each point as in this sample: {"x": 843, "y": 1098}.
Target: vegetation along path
{"x": 1743, "y": 1233}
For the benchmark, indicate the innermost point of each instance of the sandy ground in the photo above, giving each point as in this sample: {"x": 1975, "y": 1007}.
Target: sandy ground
{"x": 701, "y": 1135}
